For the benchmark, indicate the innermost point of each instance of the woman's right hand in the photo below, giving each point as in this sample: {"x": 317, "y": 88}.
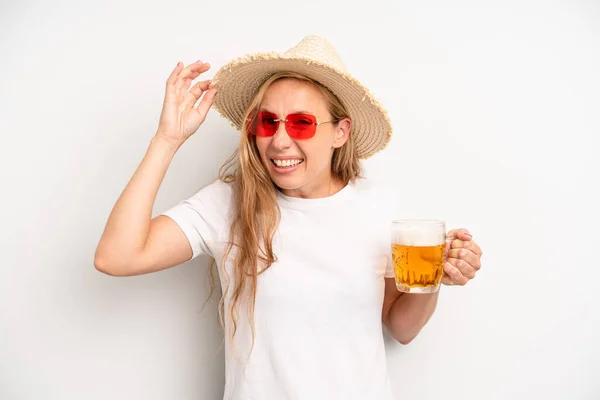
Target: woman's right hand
{"x": 179, "y": 118}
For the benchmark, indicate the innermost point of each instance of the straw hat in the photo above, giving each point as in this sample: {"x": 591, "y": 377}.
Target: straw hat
{"x": 315, "y": 58}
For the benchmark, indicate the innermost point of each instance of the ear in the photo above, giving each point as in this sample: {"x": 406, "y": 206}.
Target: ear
{"x": 342, "y": 131}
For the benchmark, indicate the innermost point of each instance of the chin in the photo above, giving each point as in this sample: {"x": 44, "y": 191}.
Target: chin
{"x": 287, "y": 182}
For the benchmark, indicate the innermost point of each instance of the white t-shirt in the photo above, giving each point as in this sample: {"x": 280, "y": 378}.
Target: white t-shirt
{"x": 318, "y": 308}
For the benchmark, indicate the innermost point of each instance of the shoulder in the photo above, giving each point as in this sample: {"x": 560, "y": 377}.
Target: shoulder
{"x": 213, "y": 199}
{"x": 204, "y": 217}
{"x": 217, "y": 190}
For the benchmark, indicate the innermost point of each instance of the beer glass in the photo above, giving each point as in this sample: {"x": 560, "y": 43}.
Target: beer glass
{"x": 418, "y": 254}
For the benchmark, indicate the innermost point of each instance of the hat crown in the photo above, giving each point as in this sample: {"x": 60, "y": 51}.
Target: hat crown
{"x": 317, "y": 48}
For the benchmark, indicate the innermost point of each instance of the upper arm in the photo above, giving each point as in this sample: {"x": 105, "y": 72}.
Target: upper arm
{"x": 182, "y": 232}
{"x": 391, "y": 294}
{"x": 166, "y": 247}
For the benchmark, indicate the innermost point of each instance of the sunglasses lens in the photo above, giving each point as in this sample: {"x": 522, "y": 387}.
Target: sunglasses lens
{"x": 301, "y": 126}
{"x": 298, "y": 126}
{"x": 266, "y": 124}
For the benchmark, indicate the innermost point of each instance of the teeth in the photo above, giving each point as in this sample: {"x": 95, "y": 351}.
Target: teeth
{"x": 287, "y": 163}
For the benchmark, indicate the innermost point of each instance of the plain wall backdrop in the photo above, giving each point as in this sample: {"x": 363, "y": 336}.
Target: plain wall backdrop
{"x": 495, "y": 106}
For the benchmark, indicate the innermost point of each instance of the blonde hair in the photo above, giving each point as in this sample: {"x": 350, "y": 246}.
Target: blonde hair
{"x": 256, "y": 213}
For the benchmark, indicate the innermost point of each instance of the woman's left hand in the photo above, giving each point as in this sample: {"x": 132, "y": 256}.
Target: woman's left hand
{"x": 463, "y": 258}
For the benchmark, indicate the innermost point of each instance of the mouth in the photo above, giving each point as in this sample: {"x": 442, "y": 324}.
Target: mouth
{"x": 287, "y": 163}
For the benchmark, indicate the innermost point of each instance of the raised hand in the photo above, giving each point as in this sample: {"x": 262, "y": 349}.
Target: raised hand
{"x": 180, "y": 118}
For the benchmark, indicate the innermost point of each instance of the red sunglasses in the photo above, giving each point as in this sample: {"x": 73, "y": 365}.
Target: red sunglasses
{"x": 297, "y": 126}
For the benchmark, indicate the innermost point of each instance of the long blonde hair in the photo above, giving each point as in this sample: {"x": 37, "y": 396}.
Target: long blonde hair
{"x": 256, "y": 213}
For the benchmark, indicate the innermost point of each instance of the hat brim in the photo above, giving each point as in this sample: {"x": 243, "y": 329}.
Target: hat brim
{"x": 239, "y": 80}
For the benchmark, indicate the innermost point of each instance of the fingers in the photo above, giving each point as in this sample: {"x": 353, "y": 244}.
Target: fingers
{"x": 466, "y": 244}
{"x": 173, "y": 77}
{"x": 188, "y": 74}
{"x": 446, "y": 280}
{"x": 172, "y": 80}
{"x": 466, "y": 269}
{"x": 206, "y": 102}
{"x": 466, "y": 255}
{"x": 456, "y": 276}
{"x": 196, "y": 91}
{"x": 180, "y": 78}
{"x": 454, "y": 234}
{"x": 463, "y": 258}
{"x": 461, "y": 234}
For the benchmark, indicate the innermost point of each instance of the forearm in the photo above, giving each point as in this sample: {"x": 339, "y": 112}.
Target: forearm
{"x": 128, "y": 225}
{"x": 409, "y": 314}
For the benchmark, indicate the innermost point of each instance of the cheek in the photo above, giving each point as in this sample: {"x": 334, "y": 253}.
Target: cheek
{"x": 262, "y": 143}
{"x": 319, "y": 148}
{"x": 316, "y": 153}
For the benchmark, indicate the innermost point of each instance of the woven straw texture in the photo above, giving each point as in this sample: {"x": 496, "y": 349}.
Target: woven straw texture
{"x": 316, "y": 58}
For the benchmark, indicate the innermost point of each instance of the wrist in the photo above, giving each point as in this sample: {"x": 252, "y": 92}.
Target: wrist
{"x": 165, "y": 144}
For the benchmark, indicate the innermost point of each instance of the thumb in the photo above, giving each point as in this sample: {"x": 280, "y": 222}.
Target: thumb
{"x": 461, "y": 234}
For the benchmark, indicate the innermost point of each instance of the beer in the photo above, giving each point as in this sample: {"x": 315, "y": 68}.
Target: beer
{"x": 418, "y": 266}
{"x": 418, "y": 255}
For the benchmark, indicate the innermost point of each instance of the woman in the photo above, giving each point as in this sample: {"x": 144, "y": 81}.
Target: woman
{"x": 300, "y": 239}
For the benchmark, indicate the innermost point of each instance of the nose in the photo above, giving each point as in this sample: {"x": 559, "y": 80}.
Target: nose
{"x": 281, "y": 139}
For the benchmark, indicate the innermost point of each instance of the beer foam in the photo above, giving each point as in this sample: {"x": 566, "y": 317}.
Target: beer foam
{"x": 418, "y": 234}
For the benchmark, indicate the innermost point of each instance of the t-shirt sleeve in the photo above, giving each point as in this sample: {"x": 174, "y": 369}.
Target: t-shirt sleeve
{"x": 203, "y": 217}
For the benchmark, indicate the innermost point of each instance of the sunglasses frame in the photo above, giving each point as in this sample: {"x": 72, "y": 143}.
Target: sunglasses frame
{"x": 285, "y": 122}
